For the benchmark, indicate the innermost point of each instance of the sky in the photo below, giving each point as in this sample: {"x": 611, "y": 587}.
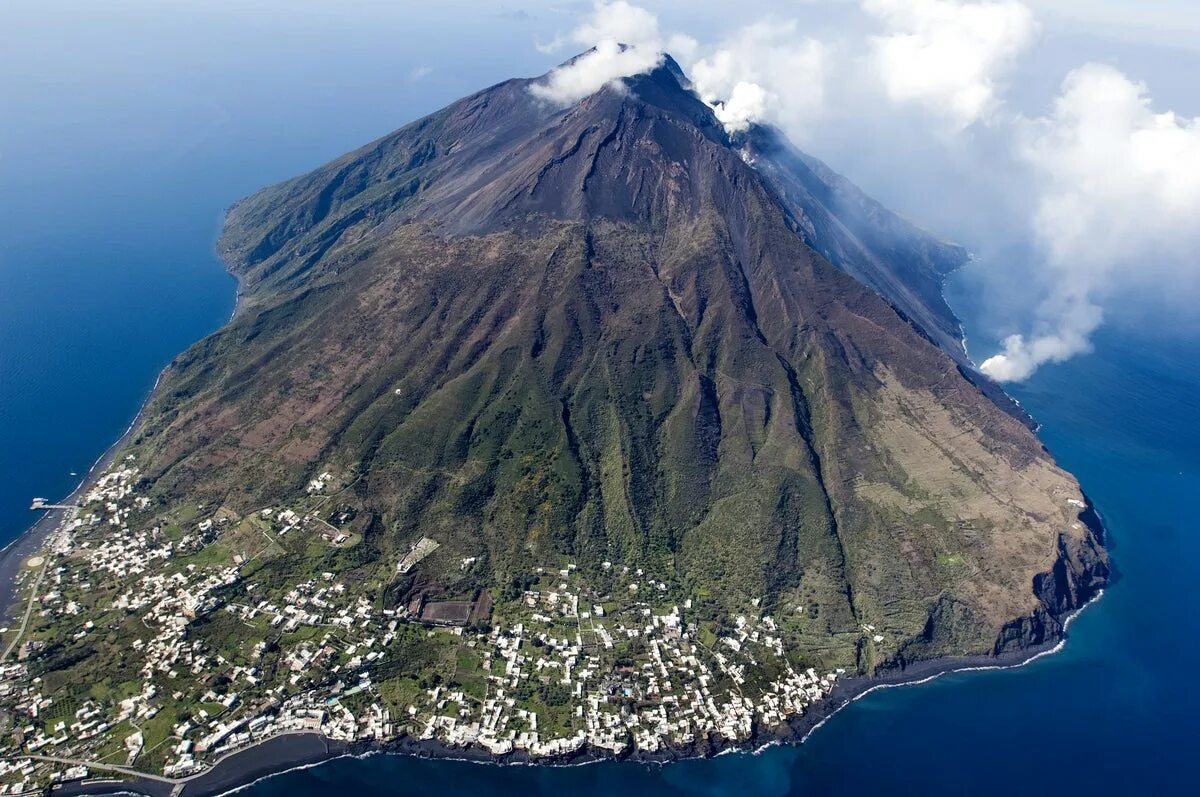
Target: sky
{"x": 1055, "y": 138}
{"x": 1162, "y": 21}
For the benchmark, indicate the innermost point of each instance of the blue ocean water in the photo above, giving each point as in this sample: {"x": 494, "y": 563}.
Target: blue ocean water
{"x": 125, "y": 134}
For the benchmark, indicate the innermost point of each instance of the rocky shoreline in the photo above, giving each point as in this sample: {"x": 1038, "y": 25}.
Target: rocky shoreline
{"x": 30, "y": 541}
{"x": 291, "y": 751}
{"x": 288, "y": 752}
{"x": 1078, "y": 578}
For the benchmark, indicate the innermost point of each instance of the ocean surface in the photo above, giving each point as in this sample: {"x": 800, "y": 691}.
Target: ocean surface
{"x": 124, "y": 139}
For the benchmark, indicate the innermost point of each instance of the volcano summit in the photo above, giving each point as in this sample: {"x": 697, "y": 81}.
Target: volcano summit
{"x": 549, "y": 431}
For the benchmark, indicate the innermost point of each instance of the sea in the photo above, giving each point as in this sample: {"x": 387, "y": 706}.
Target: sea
{"x": 114, "y": 173}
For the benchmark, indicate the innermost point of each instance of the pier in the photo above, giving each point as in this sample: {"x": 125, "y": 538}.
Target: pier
{"x": 42, "y": 503}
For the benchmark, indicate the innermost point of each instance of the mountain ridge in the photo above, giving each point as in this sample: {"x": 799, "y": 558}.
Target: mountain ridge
{"x": 821, "y": 203}
{"x": 500, "y": 167}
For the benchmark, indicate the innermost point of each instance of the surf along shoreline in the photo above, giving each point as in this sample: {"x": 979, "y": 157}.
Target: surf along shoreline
{"x": 31, "y": 541}
{"x": 296, "y": 750}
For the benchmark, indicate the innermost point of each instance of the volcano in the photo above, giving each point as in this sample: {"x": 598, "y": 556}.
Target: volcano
{"x": 614, "y": 334}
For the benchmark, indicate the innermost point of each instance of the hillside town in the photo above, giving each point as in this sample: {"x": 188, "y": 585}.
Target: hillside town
{"x": 212, "y": 660}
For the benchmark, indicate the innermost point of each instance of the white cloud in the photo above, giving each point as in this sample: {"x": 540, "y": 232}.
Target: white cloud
{"x": 747, "y": 103}
{"x": 608, "y": 61}
{"x": 619, "y": 21}
{"x": 767, "y": 71}
{"x": 625, "y": 41}
{"x": 420, "y": 72}
{"x": 1118, "y": 178}
{"x": 683, "y": 47}
{"x": 1065, "y": 333}
{"x": 948, "y": 54}
{"x": 1118, "y": 205}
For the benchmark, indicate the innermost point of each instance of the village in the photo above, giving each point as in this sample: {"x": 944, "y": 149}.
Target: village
{"x": 556, "y": 669}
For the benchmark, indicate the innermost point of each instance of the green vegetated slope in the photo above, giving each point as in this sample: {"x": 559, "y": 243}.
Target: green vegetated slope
{"x": 599, "y": 334}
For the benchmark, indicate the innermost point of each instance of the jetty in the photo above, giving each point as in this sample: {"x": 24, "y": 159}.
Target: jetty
{"x": 42, "y": 503}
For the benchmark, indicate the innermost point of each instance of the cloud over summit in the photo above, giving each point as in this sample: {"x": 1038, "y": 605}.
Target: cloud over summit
{"x": 624, "y": 41}
{"x": 765, "y": 71}
{"x": 1108, "y": 187}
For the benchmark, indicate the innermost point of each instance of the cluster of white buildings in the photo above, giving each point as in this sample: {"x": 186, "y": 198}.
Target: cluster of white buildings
{"x": 673, "y": 694}
{"x": 22, "y": 775}
{"x": 40, "y": 735}
{"x": 626, "y": 670}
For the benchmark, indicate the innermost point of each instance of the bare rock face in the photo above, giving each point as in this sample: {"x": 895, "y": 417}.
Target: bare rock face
{"x": 610, "y": 332}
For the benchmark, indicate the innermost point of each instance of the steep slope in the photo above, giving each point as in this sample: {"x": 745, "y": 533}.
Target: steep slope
{"x": 599, "y": 333}
{"x": 897, "y": 260}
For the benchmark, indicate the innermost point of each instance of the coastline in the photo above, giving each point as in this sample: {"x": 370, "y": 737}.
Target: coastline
{"x": 291, "y": 751}
{"x": 31, "y": 540}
